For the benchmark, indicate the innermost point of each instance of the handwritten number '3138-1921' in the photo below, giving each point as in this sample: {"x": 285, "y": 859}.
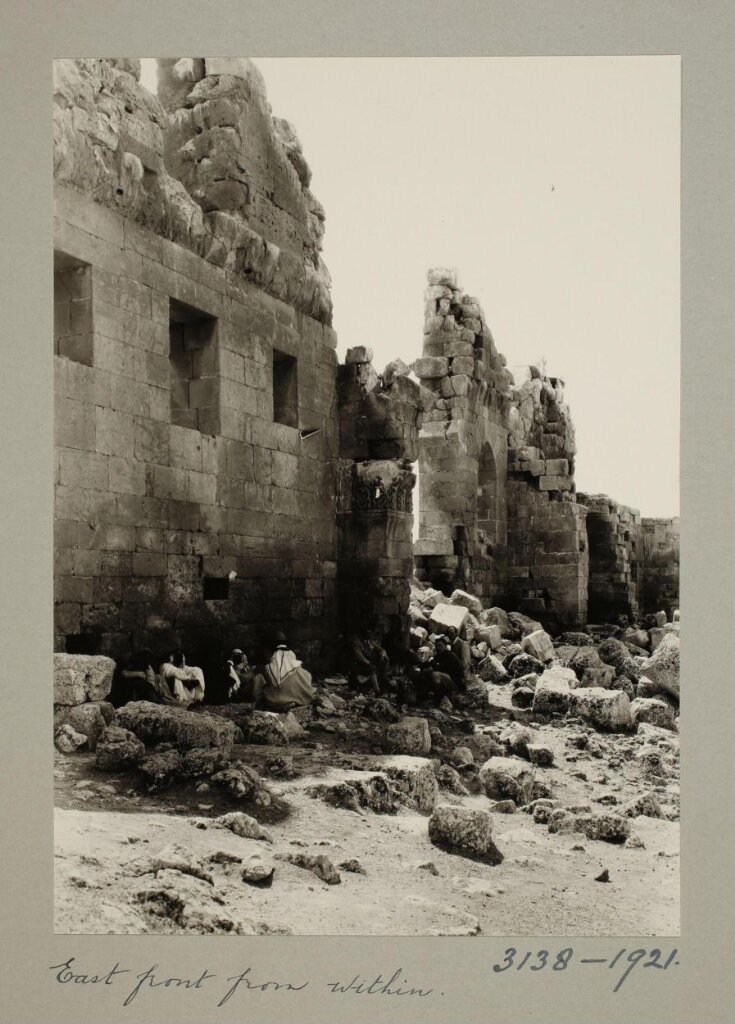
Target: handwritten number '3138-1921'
{"x": 539, "y": 959}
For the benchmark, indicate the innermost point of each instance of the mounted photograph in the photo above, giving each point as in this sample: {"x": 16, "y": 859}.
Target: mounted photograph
{"x": 366, "y": 506}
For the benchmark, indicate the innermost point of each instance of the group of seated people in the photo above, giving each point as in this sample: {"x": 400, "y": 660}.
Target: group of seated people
{"x": 277, "y": 681}
{"x": 375, "y": 670}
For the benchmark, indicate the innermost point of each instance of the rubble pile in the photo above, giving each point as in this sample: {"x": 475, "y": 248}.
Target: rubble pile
{"x": 575, "y": 734}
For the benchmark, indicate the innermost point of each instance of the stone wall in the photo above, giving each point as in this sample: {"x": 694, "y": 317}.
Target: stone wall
{"x": 616, "y": 553}
{"x": 380, "y": 417}
{"x": 659, "y": 576}
{"x": 184, "y": 510}
{"x": 463, "y": 446}
{"x": 548, "y": 560}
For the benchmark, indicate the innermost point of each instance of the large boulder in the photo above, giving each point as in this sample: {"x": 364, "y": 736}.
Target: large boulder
{"x": 609, "y": 828}
{"x": 464, "y": 831}
{"x": 409, "y": 736}
{"x": 90, "y": 719}
{"x": 508, "y": 778}
{"x": 67, "y": 740}
{"x": 553, "y": 692}
{"x": 614, "y": 652}
{"x": 491, "y": 670}
{"x": 524, "y": 664}
{"x": 82, "y": 677}
{"x": 489, "y": 635}
{"x": 662, "y": 668}
{"x": 606, "y": 710}
{"x": 118, "y": 750}
{"x": 161, "y": 723}
{"x": 449, "y": 619}
{"x": 651, "y": 711}
{"x": 472, "y": 604}
{"x": 413, "y": 781}
{"x": 522, "y": 624}
{"x": 539, "y": 645}
{"x": 497, "y": 617}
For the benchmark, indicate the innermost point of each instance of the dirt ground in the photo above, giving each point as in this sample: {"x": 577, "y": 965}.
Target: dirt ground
{"x": 108, "y": 829}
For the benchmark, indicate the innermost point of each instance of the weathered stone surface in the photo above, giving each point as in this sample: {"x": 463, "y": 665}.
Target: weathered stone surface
{"x": 662, "y": 668}
{"x": 409, "y": 736}
{"x": 646, "y": 804}
{"x": 607, "y": 710}
{"x": 523, "y": 665}
{"x": 497, "y": 617}
{"x": 539, "y": 645}
{"x": 321, "y": 866}
{"x": 553, "y": 692}
{"x": 243, "y": 782}
{"x": 82, "y": 677}
{"x": 243, "y": 825}
{"x": 614, "y": 652}
{"x": 161, "y": 768}
{"x": 156, "y": 723}
{"x": 257, "y": 871}
{"x": 448, "y": 619}
{"x": 491, "y": 670}
{"x": 507, "y": 778}
{"x": 87, "y": 719}
{"x": 465, "y": 600}
{"x": 464, "y": 831}
{"x": 413, "y": 781}
{"x": 190, "y": 903}
{"x": 651, "y": 711}
{"x": 118, "y": 750}
{"x": 516, "y": 738}
{"x": 539, "y": 754}
{"x": 67, "y": 740}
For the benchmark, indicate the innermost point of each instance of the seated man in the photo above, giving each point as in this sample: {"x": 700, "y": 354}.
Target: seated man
{"x": 283, "y": 682}
{"x": 446, "y": 661}
{"x": 366, "y": 664}
{"x": 185, "y": 682}
{"x": 241, "y": 677}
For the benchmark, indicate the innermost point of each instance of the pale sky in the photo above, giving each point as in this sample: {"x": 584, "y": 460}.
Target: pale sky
{"x": 552, "y": 186}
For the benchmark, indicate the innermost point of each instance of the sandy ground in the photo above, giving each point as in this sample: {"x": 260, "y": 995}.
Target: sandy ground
{"x": 107, "y": 829}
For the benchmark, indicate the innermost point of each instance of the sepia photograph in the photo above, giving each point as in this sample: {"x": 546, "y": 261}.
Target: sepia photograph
{"x": 366, "y": 496}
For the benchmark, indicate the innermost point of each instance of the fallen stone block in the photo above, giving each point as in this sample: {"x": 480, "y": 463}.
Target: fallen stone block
{"x": 118, "y": 750}
{"x": 662, "y": 668}
{"x": 89, "y": 719}
{"x": 497, "y": 617}
{"x": 539, "y": 645}
{"x": 646, "y": 804}
{"x": 160, "y": 723}
{"x": 516, "y": 738}
{"x": 243, "y": 825}
{"x": 507, "y": 778}
{"x": 82, "y": 677}
{"x": 553, "y": 693}
{"x": 464, "y": 831}
{"x": 491, "y": 670}
{"x": 161, "y": 769}
{"x": 606, "y": 710}
{"x": 409, "y": 736}
{"x": 651, "y": 711}
{"x": 465, "y": 600}
{"x": 413, "y": 781}
{"x": 522, "y": 624}
{"x": 614, "y": 652}
{"x": 67, "y": 740}
{"x": 539, "y": 754}
{"x": 321, "y": 866}
{"x": 243, "y": 782}
{"x": 448, "y": 619}
{"x": 524, "y": 665}
{"x": 601, "y": 676}
{"x": 190, "y": 903}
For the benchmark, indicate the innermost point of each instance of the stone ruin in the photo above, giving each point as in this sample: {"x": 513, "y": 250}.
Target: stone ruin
{"x": 217, "y": 470}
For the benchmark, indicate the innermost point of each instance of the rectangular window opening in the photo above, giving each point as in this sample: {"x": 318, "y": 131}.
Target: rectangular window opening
{"x": 216, "y": 588}
{"x": 73, "y": 337}
{"x": 285, "y": 389}
{"x": 194, "y": 369}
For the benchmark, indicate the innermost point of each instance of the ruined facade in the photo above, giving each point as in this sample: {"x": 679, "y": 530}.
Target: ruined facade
{"x": 217, "y": 472}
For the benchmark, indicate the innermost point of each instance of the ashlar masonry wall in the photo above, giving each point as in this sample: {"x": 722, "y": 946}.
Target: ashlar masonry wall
{"x": 185, "y": 511}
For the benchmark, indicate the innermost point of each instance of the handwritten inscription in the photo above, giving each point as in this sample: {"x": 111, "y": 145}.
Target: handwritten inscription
{"x": 221, "y": 989}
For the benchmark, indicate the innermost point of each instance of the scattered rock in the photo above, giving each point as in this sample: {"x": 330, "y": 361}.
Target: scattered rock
{"x": 321, "y": 866}
{"x": 67, "y": 740}
{"x": 118, "y": 750}
{"x": 243, "y": 783}
{"x": 243, "y": 825}
{"x": 539, "y": 754}
{"x": 353, "y": 866}
{"x": 82, "y": 677}
{"x": 603, "y": 877}
{"x": 256, "y": 871}
{"x": 608, "y": 710}
{"x": 539, "y": 645}
{"x": 652, "y": 711}
{"x": 409, "y": 736}
{"x": 161, "y": 723}
{"x": 464, "y": 831}
{"x": 507, "y": 778}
